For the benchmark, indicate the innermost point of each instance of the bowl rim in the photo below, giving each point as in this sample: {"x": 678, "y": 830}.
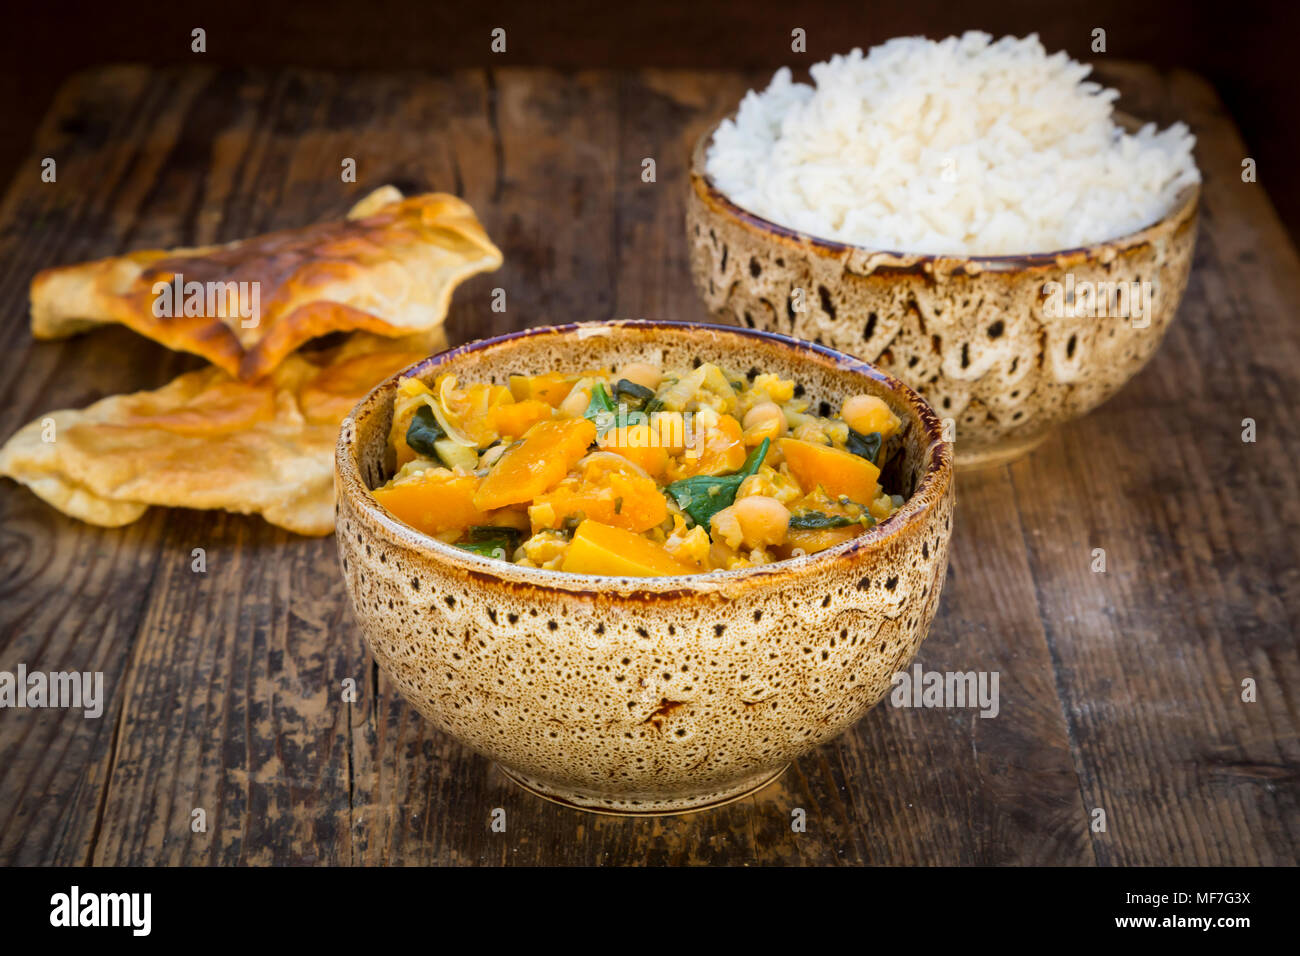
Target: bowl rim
{"x": 1182, "y": 208}
{"x": 935, "y": 484}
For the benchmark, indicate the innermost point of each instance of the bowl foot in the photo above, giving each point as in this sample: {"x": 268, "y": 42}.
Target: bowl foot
{"x": 1001, "y": 454}
{"x": 595, "y": 802}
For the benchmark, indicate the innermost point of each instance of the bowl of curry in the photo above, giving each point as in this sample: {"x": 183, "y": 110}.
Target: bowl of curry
{"x": 643, "y": 566}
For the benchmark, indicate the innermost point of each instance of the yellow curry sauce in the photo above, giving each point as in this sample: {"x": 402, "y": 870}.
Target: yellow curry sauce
{"x": 639, "y": 471}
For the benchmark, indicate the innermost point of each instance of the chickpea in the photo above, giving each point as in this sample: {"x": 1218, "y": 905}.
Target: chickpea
{"x": 867, "y": 414}
{"x": 575, "y": 403}
{"x": 669, "y": 431}
{"x": 765, "y": 418}
{"x": 756, "y": 521}
{"x": 641, "y": 373}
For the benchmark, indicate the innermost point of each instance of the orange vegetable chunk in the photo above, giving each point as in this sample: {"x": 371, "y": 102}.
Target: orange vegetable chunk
{"x": 810, "y": 541}
{"x": 838, "y": 472}
{"x": 548, "y": 451}
{"x": 434, "y": 501}
{"x": 603, "y": 549}
{"x": 719, "y": 450}
{"x": 514, "y": 418}
{"x": 624, "y": 500}
{"x": 639, "y": 444}
{"x": 551, "y": 388}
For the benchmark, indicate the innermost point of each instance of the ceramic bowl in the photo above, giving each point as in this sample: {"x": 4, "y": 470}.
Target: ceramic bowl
{"x": 646, "y": 695}
{"x": 989, "y": 341}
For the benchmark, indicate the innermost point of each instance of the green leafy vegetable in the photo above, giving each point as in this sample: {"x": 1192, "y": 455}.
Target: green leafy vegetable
{"x": 654, "y": 405}
{"x": 865, "y": 446}
{"x": 606, "y": 415}
{"x": 498, "y": 548}
{"x": 491, "y": 541}
{"x": 601, "y": 409}
{"x": 423, "y": 431}
{"x": 488, "y": 532}
{"x": 816, "y": 521}
{"x": 601, "y": 402}
{"x": 704, "y": 496}
{"x": 634, "y": 391}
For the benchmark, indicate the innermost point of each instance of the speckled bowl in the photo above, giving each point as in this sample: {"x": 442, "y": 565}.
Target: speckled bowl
{"x": 977, "y": 336}
{"x": 646, "y": 695}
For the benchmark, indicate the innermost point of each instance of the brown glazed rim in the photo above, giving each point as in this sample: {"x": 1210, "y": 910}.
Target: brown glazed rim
{"x": 910, "y": 518}
{"x": 1181, "y": 212}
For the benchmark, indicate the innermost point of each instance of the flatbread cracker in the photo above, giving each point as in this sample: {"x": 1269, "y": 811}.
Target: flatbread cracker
{"x": 389, "y": 268}
{"x": 207, "y": 440}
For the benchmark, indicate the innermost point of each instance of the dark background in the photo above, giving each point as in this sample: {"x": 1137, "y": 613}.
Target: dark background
{"x": 1248, "y": 50}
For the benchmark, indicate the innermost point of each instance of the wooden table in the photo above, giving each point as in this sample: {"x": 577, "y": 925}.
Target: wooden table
{"x": 1119, "y": 690}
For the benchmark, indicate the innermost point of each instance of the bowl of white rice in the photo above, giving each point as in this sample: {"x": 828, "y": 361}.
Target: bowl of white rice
{"x": 972, "y": 215}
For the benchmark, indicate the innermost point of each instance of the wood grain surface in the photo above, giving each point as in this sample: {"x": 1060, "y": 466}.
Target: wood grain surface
{"x": 1119, "y": 691}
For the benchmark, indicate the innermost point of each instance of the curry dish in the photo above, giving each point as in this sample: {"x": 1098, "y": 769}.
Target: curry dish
{"x": 638, "y": 471}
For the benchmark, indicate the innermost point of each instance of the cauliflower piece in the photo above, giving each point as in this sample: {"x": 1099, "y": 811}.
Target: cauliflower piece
{"x": 770, "y": 483}
{"x": 545, "y": 549}
{"x": 690, "y": 546}
{"x": 779, "y": 390}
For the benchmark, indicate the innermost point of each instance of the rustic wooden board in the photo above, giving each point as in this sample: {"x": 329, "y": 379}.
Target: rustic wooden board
{"x": 1119, "y": 690}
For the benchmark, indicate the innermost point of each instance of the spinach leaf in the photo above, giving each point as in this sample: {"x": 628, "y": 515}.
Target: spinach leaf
{"x": 498, "y": 548}
{"x": 754, "y": 460}
{"x": 865, "y": 446}
{"x": 634, "y": 391}
{"x": 654, "y": 405}
{"x": 704, "y": 496}
{"x": 491, "y": 541}
{"x": 601, "y": 409}
{"x": 490, "y": 532}
{"x": 423, "y": 431}
{"x": 606, "y": 415}
{"x": 816, "y": 521}
{"x": 601, "y": 402}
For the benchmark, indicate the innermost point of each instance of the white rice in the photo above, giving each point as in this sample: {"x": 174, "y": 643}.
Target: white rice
{"x": 963, "y": 146}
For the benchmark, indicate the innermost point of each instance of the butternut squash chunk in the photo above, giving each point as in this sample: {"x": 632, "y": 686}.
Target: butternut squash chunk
{"x": 434, "y": 501}
{"x": 639, "y": 444}
{"x": 548, "y": 451}
{"x": 810, "y": 541}
{"x": 838, "y": 472}
{"x": 718, "y": 450}
{"x": 514, "y": 418}
{"x": 551, "y": 388}
{"x": 624, "y": 501}
{"x": 603, "y": 549}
